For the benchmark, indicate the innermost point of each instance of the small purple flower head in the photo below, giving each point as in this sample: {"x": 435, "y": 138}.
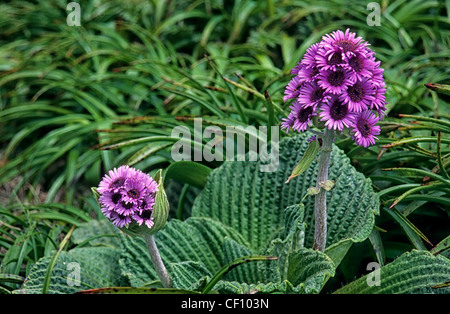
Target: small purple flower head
{"x": 311, "y": 94}
{"x": 365, "y": 128}
{"x": 345, "y": 43}
{"x": 335, "y": 81}
{"x": 339, "y": 80}
{"x": 127, "y": 196}
{"x": 359, "y": 96}
{"x": 336, "y": 114}
{"x": 293, "y": 88}
{"x": 300, "y": 117}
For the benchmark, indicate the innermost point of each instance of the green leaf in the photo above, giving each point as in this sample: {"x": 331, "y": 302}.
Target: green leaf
{"x": 310, "y": 268}
{"x": 188, "y": 172}
{"x": 99, "y": 232}
{"x": 253, "y": 202}
{"x": 306, "y": 161}
{"x": 441, "y": 246}
{"x": 439, "y": 88}
{"x": 195, "y": 239}
{"x": 414, "y": 272}
{"x": 225, "y": 269}
{"x": 98, "y": 268}
{"x": 48, "y": 273}
{"x": 185, "y": 275}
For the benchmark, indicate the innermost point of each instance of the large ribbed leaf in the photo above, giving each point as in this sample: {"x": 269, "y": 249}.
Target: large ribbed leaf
{"x": 77, "y": 269}
{"x": 252, "y": 202}
{"x": 412, "y": 272}
{"x": 196, "y": 240}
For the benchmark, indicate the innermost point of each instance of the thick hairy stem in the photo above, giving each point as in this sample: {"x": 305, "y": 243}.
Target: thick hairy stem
{"x": 320, "y": 233}
{"x": 157, "y": 261}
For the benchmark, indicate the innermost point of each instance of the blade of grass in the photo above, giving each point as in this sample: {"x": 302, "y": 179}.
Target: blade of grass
{"x": 235, "y": 101}
{"x": 439, "y": 157}
{"x": 51, "y": 265}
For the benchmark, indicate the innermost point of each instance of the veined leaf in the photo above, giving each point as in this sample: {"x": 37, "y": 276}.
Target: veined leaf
{"x": 414, "y": 272}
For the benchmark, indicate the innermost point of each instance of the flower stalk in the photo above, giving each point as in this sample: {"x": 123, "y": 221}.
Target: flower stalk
{"x": 320, "y": 232}
{"x": 157, "y": 261}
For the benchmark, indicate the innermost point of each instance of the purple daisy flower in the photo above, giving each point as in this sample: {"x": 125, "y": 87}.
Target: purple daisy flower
{"x": 347, "y": 43}
{"x": 145, "y": 217}
{"x": 301, "y": 116}
{"x": 293, "y": 88}
{"x": 308, "y": 74}
{"x": 365, "y": 128}
{"x": 311, "y": 94}
{"x": 133, "y": 190}
{"x": 120, "y": 220}
{"x": 377, "y": 77}
{"x": 115, "y": 179}
{"x": 110, "y": 200}
{"x": 335, "y": 81}
{"x": 286, "y": 123}
{"x": 309, "y": 58}
{"x": 336, "y": 114}
{"x": 329, "y": 59}
{"x": 297, "y": 68}
{"x": 361, "y": 66}
{"x": 379, "y": 101}
{"x": 126, "y": 208}
{"x": 359, "y": 95}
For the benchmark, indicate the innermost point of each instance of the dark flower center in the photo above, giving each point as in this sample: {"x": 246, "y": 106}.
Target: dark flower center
{"x": 133, "y": 193}
{"x": 346, "y": 45}
{"x": 317, "y": 94}
{"x": 364, "y": 128}
{"x": 356, "y": 64}
{"x": 115, "y": 198}
{"x": 335, "y": 59}
{"x": 126, "y": 205}
{"x": 146, "y": 214}
{"x": 356, "y": 92}
{"x": 121, "y": 217}
{"x": 336, "y": 78}
{"x": 338, "y": 111}
{"x": 117, "y": 183}
{"x": 304, "y": 114}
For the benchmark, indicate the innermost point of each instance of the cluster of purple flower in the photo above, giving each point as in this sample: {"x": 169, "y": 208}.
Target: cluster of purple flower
{"x": 127, "y": 195}
{"x": 339, "y": 80}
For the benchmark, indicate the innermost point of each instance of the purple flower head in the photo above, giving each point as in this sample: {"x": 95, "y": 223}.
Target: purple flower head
{"x": 359, "y": 95}
{"x": 329, "y": 59}
{"x": 309, "y": 59}
{"x": 293, "y": 88}
{"x": 300, "y": 117}
{"x": 336, "y": 114}
{"x": 311, "y": 94}
{"x": 125, "y": 193}
{"x": 335, "y": 81}
{"x": 365, "y": 128}
{"x": 345, "y": 43}
{"x": 339, "y": 80}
